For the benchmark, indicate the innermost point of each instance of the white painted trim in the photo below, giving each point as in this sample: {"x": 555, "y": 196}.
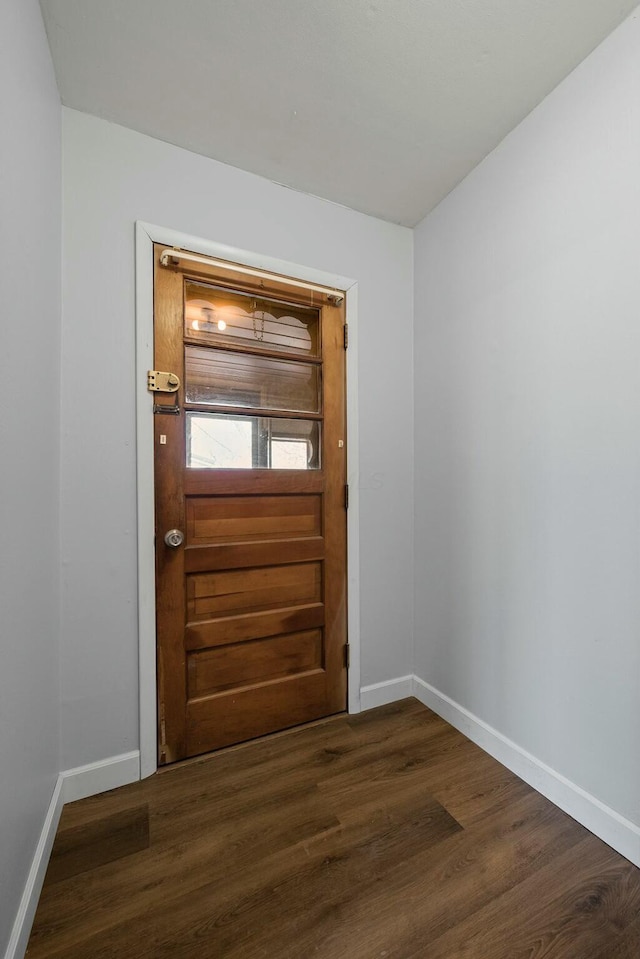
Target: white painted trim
{"x": 353, "y": 513}
{"x": 146, "y": 235}
{"x": 70, "y": 785}
{"x": 97, "y": 777}
{"x": 619, "y": 833}
{"x": 145, "y": 500}
{"x": 23, "y": 922}
{"x": 392, "y": 690}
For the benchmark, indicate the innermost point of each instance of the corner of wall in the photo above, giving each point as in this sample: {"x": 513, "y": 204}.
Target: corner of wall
{"x": 617, "y": 831}
{"x": 21, "y": 930}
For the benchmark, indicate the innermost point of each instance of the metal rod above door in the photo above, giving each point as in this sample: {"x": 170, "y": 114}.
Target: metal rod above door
{"x": 168, "y": 255}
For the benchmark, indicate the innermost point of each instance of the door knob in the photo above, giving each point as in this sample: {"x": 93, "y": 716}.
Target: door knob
{"x": 174, "y": 537}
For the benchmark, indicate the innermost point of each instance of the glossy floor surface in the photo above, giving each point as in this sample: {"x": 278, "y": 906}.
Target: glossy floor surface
{"x": 386, "y": 835}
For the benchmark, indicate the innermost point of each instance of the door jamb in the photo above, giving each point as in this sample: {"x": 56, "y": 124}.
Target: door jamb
{"x": 146, "y": 235}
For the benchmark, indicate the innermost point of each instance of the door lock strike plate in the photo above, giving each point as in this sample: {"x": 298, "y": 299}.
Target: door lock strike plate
{"x": 158, "y": 382}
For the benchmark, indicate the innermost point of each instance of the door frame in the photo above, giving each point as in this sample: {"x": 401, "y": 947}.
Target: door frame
{"x": 146, "y": 234}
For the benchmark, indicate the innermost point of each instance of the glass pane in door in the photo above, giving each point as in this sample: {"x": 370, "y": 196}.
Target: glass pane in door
{"x": 221, "y": 317}
{"x": 225, "y": 441}
{"x": 221, "y": 378}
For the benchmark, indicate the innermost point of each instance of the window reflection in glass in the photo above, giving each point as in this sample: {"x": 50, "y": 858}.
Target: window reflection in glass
{"x": 222, "y": 441}
{"x": 220, "y": 316}
{"x": 222, "y": 378}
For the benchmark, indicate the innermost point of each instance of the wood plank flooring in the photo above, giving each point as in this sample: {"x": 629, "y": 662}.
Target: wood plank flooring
{"x": 386, "y": 835}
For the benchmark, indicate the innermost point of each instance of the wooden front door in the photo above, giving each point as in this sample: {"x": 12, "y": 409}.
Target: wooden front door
{"x": 250, "y": 470}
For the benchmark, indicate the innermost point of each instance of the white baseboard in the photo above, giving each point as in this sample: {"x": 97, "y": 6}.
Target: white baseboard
{"x": 619, "y": 833}
{"x": 27, "y": 909}
{"x": 97, "y": 777}
{"x": 71, "y": 784}
{"x": 388, "y": 692}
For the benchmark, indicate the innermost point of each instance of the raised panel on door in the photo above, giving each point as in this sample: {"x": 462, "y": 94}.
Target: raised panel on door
{"x": 236, "y": 519}
{"x": 237, "y": 591}
{"x": 272, "y": 657}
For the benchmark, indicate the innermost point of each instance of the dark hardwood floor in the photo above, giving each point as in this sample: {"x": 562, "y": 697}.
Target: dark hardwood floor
{"x": 386, "y": 835}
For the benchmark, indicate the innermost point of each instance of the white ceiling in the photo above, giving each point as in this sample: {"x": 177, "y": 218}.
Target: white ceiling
{"x": 382, "y": 105}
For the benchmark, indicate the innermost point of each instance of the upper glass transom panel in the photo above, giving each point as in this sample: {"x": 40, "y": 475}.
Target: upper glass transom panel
{"x": 220, "y": 317}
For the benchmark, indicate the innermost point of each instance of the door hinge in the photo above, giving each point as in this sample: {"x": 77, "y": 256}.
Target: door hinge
{"x": 346, "y": 496}
{"x": 163, "y": 734}
{"x": 347, "y": 655}
{"x": 159, "y": 382}
{"x": 346, "y": 335}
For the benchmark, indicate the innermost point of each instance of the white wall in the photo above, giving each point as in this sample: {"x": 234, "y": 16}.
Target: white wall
{"x": 527, "y": 371}
{"x": 112, "y": 177}
{"x": 29, "y": 440}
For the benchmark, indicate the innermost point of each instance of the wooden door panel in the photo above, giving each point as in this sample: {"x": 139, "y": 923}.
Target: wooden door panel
{"x": 236, "y": 519}
{"x": 215, "y": 721}
{"x": 252, "y": 661}
{"x": 233, "y": 629}
{"x": 252, "y": 607}
{"x": 236, "y": 555}
{"x": 266, "y": 587}
{"x": 225, "y": 482}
